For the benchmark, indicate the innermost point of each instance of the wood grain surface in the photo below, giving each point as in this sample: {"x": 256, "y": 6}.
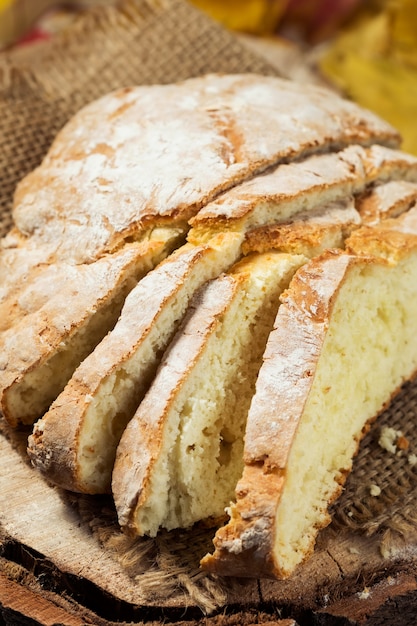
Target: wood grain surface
{"x": 346, "y": 581}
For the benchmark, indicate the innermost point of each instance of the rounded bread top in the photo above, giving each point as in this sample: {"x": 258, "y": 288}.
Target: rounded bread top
{"x": 145, "y": 155}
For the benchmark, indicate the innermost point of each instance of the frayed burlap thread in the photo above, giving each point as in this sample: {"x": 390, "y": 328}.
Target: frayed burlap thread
{"x": 163, "y": 567}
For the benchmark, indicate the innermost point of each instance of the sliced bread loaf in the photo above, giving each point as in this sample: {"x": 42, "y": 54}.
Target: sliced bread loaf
{"x": 243, "y": 157}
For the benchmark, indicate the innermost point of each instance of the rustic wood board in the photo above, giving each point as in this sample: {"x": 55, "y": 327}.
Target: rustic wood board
{"x": 39, "y": 519}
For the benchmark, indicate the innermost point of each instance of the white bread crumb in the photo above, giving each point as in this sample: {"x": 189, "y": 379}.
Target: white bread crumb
{"x": 375, "y": 491}
{"x": 388, "y": 439}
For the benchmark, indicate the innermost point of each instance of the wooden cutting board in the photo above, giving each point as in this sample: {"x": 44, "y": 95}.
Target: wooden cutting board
{"x": 52, "y": 554}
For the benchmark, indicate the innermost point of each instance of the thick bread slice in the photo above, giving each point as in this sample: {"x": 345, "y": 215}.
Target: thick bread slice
{"x": 327, "y": 226}
{"x": 301, "y": 186}
{"x": 344, "y": 341}
{"x": 181, "y": 454}
{"x": 74, "y": 444}
{"x": 143, "y": 156}
{"x": 39, "y": 353}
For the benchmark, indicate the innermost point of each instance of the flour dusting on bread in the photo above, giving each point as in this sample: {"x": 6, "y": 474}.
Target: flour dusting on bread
{"x": 207, "y": 297}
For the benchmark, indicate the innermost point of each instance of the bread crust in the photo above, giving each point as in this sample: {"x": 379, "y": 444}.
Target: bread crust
{"x": 392, "y": 238}
{"x": 109, "y": 174}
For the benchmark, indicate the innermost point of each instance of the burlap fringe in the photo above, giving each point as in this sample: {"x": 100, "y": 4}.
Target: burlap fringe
{"x": 163, "y": 566}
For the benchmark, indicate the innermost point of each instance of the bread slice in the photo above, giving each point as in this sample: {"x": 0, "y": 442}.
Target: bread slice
{"x": 344, "y": 341}
{"x": 39, "y": 353}
{"x": 181, "y": 454}
{"x": 301, "y": 186}
{"x": 309, "y": 232}
{"x": 74, "y": 444}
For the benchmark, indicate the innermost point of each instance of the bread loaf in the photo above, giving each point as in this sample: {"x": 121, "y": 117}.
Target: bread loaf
{"x": 143, "y": 160}
{"x": 303, "y": 190}
{"x": 277, "y": 178}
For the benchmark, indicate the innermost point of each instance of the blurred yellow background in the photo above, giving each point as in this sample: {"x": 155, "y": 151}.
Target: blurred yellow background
{"x": 367, "y": 49}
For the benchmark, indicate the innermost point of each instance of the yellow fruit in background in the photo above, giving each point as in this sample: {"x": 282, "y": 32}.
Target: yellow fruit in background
{"x": 375, "y": 64}
{"x": 251, "y": 16}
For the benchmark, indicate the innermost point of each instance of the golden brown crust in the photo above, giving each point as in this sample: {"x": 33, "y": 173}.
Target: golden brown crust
{"x": 109, "y": 174}
{"x": 392, "y": 238}
{"x": 389, "y": 199}
{"x": 244, "y": 546}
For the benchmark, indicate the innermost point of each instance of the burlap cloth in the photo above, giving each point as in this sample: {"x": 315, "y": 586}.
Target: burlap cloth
{"x": 161, "y": 41}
